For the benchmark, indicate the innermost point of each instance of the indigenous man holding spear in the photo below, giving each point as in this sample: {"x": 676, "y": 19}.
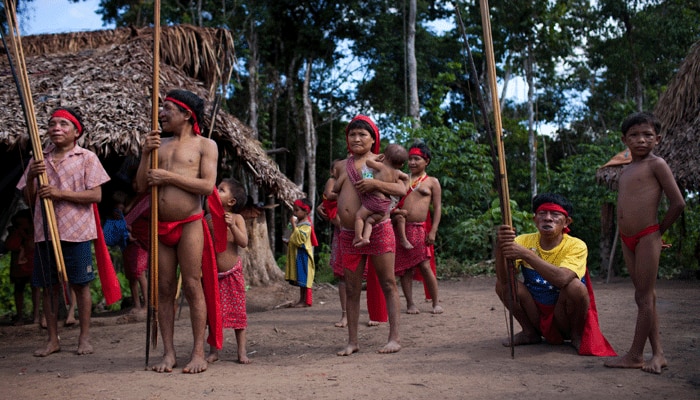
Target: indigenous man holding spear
{"x": 187, "y": 172}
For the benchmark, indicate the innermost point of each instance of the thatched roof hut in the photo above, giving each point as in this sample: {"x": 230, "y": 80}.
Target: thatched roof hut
{"x": 107, "y": 76}
{"x": 678, "y": 109}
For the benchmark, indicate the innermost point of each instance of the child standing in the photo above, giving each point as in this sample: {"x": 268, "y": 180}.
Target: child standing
{"x": 230, "y": 267}
{"x": 300, "y": 253}
{"x": 20, "y": 242}
{"x": 641, "y": 185}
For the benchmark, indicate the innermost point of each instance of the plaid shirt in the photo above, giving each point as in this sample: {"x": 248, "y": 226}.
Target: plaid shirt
{"x": 78, "y": 170}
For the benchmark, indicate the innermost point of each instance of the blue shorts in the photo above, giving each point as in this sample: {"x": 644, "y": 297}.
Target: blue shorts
{"x": 77, "y": 256}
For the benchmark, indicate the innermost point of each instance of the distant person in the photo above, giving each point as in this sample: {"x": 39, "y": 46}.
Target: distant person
{"x": 136, "y": 253}
{"x": 641, "y": 185}
{"x": 20, "y": 242}
{"x": 230, "y": 266}
{"x": 555, "y": 299}
{"x": 75, "y": 179}
{"x": 187, "y": 172}
{"x": 301, "y": 269}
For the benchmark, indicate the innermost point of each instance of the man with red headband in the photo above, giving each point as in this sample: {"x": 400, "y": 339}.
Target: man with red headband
{"x": 362, "y": 138}
{"x": 415, "y": 257}
{"x": 75, "y": 178}
{"x": 555, "y": 299}
{"x": 187, "y": 171}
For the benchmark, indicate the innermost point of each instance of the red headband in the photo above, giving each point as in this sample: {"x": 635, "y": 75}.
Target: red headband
{"x": 415, "y": 151}
{"x": 70, "y": 117}
{"x": 360, "y": 117}
{"x": 303, "y": 206}
{"x": 195, "y": 125}
{"x": 554, "y": 207}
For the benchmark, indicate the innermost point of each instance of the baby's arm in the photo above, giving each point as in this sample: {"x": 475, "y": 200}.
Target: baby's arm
{"x": 329, "y": 192}
{"x": 236, "y": 224}
{"x": 337, "y": 185}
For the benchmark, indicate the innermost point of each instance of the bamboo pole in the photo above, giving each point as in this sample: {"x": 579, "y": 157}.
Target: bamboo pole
{"x": 152, "y": 316}
{"x": 32, "y": 126}
{"x": 502, "y": 170}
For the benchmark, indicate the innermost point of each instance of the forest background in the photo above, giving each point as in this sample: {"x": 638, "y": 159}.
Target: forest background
{"x": 305, "y": 68}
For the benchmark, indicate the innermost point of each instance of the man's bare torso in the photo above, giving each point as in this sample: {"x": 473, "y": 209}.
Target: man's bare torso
{"x": 183, "y": 157}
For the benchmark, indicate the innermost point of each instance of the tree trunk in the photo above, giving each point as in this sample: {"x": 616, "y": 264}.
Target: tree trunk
{"x": 259, "y": 265}
{"x": 414, "y": 105}
{"x": 311, "y": 139}
{"x": 273, "y": 137}
{"x": 300, "y": 162}
{"x": 253, "y": 81}
{"x": 532, "y": 135}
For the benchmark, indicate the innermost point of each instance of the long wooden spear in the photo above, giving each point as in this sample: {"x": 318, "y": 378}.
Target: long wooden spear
{"x": 152, "y": 316}
{"x": 25, "y": 95}
{"x": 504, "y": 195}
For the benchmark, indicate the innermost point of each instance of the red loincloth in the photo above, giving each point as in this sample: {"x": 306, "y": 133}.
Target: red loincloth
{"x": 331, "y": 207}
{"x": 169, "y": 233}
{"x": 232, "y": 292}
{"x": 382, "y": 241}
{"x": 593, "y": 343}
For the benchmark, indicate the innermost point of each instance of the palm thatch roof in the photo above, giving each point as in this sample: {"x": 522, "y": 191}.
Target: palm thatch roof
{"x": 678, "y": 109}
{"x": 107, "y": 76}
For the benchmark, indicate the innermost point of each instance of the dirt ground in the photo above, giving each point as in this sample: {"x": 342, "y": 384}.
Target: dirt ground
{"x": 455, "y": 355}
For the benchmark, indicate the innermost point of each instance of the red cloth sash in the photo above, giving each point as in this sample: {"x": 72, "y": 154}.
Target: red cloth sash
{"x": 108, "y": 277}
{"x": 169, "y": 233}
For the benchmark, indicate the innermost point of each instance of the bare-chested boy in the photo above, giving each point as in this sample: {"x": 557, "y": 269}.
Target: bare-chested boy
{"x": 362, "y": 138}
{"x": 421, "y": 229}
{"x": 376, "y": 206}
{"x": 187, "y": 171}
{"x": 641, "y": 185}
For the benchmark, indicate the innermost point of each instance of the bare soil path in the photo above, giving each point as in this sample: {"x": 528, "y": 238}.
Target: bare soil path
{"x": 456, "y": 355}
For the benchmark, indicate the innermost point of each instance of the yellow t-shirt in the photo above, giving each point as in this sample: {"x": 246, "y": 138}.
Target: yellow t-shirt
{"x": 571, "y": 253}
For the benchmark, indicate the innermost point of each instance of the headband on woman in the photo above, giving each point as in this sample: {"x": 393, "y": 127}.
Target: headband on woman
{"x": 368, "y": 120}
{"x": 195, "y": 125}
{"x": 61, "y": 113}
{"x": 415, "y": 151}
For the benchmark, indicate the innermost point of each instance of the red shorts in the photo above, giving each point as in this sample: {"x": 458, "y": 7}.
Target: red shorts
{"x": 382, "y": 241}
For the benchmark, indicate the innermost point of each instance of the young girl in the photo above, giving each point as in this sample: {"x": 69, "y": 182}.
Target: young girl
{"x": 230, "y": 267}
{"x": 300, "y": 254}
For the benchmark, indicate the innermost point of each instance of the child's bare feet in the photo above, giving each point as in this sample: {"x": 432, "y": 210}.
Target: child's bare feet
{"x": 521, "y": 339}
{"x": 655, "y": 364}
{"x": 349, "y": 349}
{"x": 412, "y": 309}
{"x": 438, "y": 309}
{"x": 196, "y": 365}
{"x": 243, "y": 358}
{"x": 213, "y": 356}
{"x": 70, "y": 321}
{"x": 626, "y": 361}
{"x": 301, "y": 304}
{"x": 373, "y": 323}
{"x": 166, "y": 364}
{"x": 84, "y": 347}
{"x": 406, "y": 244}
{"x": 51, "y": 347}
{"x": 343, "y": 321}
{"x": 360, "y": 243}
{"x": 391, "y": 347}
